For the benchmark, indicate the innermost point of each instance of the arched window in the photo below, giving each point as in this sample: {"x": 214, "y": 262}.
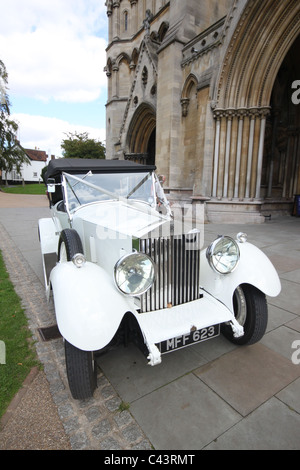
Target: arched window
{"x": 123, "y": 62}
{"x": 145, "y": 76}
{"x": 125, "y": 21}
{"x": 162, "y": 31}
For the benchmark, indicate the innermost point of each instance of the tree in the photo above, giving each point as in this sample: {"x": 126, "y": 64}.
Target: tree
{"x": 43, "y": 173}
{"x": 81, "y": 146}
{"x": 12, "y": 155}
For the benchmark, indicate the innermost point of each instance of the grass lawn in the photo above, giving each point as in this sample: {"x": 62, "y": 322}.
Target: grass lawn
{"x": 34, "y": 188}
{"x": 20, "y": 354}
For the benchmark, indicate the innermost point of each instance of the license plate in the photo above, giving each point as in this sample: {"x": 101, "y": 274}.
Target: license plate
{"x": 191, "y": 338}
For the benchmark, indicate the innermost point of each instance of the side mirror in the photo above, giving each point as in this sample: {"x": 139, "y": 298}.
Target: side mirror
{"x": 51, "y": 185}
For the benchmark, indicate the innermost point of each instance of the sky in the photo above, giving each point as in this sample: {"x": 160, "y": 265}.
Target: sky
{"x": 54, "y": 53}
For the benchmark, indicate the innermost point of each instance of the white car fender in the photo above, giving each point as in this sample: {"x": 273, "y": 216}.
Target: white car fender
{"x": 254, "y": 268}
{"x": 48, "y": 235}
{"x": 88, "y": 307}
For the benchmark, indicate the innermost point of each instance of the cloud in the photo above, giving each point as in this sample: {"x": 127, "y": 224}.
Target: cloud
{"x": 53, "y": 49}
{"x": 54, "y": 52}
{"x": 47, "y": 133}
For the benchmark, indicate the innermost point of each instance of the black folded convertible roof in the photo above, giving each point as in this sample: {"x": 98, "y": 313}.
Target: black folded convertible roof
{"x": 82, "y": 165}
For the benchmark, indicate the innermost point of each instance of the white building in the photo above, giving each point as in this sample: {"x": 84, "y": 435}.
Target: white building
{"x": 30, "y": 172}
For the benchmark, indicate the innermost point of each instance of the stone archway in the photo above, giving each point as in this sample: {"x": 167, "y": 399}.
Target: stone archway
{"x": 141, "y": 135}
{"x": 280, "y": 172}
{"x": 258, "y": 45}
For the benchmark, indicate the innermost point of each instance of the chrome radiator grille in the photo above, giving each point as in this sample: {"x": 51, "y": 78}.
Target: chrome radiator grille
{"x": 177, "y": 259}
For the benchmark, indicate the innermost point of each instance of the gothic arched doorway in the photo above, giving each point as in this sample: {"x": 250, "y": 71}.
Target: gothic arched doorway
{"x": 151, "y": 148}
{"x": 260, "y": 51}
{"x": 280, "y": 176}
{"x": 141, "y": 135}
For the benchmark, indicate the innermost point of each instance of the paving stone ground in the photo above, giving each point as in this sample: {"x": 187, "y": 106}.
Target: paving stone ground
{"x": 210, "y": 396}
{"x": 59, "y": 422}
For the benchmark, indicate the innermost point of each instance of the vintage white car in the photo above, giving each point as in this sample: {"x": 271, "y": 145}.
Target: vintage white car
{"x": 119, "y": 268}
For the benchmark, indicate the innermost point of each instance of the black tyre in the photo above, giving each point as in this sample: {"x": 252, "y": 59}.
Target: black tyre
{"x": 80, "y": 365}
{"x": 69, "y": 245}
{"x": 81, "y": 372}
{"x": 251, "y": 311}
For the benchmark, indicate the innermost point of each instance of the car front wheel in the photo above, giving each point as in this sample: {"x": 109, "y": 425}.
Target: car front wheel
{"x": 81, "y": 372}
{"x": 80, "y": 365}
{"x": 251, "y": 311}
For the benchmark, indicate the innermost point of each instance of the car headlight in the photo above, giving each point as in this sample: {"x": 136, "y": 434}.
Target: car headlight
{"x": 134, "y": 273}
{"x": 223, "y": 255}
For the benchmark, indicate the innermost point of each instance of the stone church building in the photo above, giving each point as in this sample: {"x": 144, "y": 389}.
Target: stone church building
{"x": 209, "y": 91}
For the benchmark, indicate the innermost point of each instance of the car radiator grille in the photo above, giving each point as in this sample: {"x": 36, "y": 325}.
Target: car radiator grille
{"x": 177, "y": 259}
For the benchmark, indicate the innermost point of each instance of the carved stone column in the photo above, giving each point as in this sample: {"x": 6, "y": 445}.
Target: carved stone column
{"x": 115, "y": 77}
{"x": 263, "y": 112}
{"x": 229, "y": 114}
{"x": 116, "y": 32}
{"x": 110, "y": 22}
{"x": 217, "y": 116}
{"x": 241, "y": 113}
{"x": 134, "y": 16}
{"x": 230, "y": 138}
{"x": 253, "y": 113}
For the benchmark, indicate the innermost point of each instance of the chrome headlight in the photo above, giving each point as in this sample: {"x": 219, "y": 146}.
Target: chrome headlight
{"x": 134, "y": 273}
{"x": 223, "y": 255}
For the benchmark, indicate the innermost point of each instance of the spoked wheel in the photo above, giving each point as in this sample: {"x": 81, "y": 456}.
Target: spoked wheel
{"x": 81, "y": 372}
{"x": 251, "y": 311}
{"x": 80, "y": 365}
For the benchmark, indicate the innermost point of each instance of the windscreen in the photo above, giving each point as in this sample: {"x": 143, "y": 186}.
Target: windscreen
{"x": 87, "y": 188}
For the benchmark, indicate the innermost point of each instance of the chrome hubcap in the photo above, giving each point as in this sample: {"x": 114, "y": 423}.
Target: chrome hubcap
{"x": 240, "y": 306}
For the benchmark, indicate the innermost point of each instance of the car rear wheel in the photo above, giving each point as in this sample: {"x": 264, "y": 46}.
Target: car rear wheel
{"x": 251, "y": 311}
{"x": 81, "y": 372}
